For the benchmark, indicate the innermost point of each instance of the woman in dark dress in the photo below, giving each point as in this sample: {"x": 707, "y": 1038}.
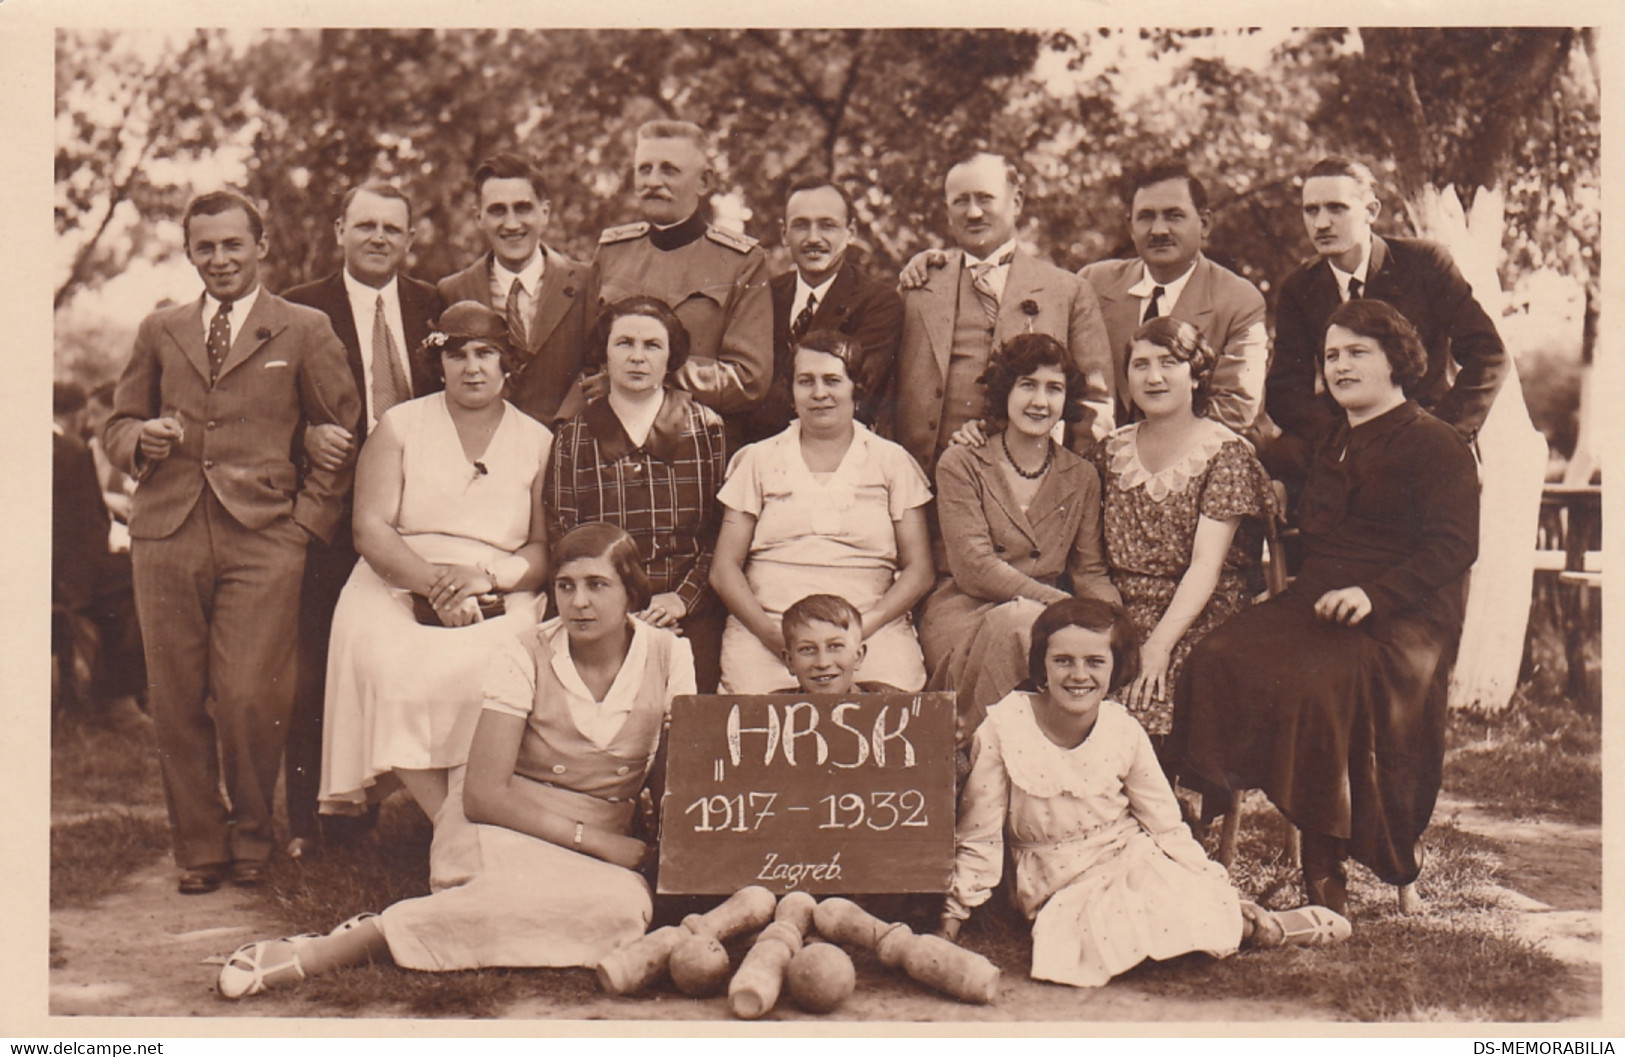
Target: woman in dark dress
{"x": 1331, "y": 696}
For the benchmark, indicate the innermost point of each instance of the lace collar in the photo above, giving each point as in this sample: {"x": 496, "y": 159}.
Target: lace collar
{"x": 1123, "y": 460}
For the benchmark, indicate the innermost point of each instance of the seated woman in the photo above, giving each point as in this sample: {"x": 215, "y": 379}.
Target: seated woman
{"x": 825, "y": 506}
{"x": 1020, "y": 519}
{"x": 448, "y": 509}
{"x": 532, "y": 864}
{"x": 1185, "y": 507}
{"x": 1105, "y": 869}
{"x": 649, "y": 458}
{"x": 1331, "y": 696}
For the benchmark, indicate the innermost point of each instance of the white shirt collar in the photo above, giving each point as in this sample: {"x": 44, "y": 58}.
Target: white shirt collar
{"x": 803, "y": 291}
{"x": 240, "y": 309}
{"x": 1009, "y": 247}
{"x": 360, "y": 291}
{"x": 1170, "y": 290}
{"x": 1359, "y": 272}
{"x": 600, "y": 721}
{"x": 530, "y": 276}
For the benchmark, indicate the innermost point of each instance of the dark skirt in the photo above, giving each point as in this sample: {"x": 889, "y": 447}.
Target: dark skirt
{"x": 1342, "y": 727}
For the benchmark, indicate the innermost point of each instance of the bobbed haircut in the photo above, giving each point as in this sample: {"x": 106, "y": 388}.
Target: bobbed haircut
{"x": 843, "y": 347}
{"x": 1090, "y": 614}
{"x": 1022, "y": 355}
{"x": 1393, "y": 333}
{"x": 382, "y": 190}
{"x": 213, "y": 203}
{"x": 509, "y": 167}
{"x": 1337, "y": 165}
{"x": 815, "y": 181}
{"x": 600, "y": 539}
{"x": 826, "y": 609}
{"x": 1188, "y": 346}
{"x": 677, "y": 340}
{"x": 1170, "y": 169}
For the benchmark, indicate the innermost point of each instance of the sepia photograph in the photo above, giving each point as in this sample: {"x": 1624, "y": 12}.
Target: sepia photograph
{"x": 809, "y": 529}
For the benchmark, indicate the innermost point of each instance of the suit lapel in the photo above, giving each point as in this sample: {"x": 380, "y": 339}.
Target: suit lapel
{"x": 186, "y": 327}
{"x": 343, "y": 320}
{"x": 999, "y": 489}
{"x": 1120, "y": 309}
{"x": 1024, "y": 283}
{"x": 1379, "y": 257}
{"x": 417, "y": 312}
{"x": 265, "y": 320}
{"x": 1195, "y": 302}
{"x": 782, "y": 288}
{"x": 843, "y": 293}
{"x": 943, "y": 288}
{"x": 553, "y": 300}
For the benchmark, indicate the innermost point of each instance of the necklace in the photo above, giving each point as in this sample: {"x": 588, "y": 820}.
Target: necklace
{"x": 1049, "y": 453}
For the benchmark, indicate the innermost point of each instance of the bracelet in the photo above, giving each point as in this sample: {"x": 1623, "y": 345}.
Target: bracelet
{"x": 580, "y": 828}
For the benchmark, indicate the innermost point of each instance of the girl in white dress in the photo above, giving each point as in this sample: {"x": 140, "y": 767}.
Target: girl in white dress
{"x": 532, "y": 862}
{"x": 1105, "y": 868}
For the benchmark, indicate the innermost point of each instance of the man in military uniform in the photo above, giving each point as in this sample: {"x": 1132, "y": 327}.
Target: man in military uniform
{"x": 714, "y": 279}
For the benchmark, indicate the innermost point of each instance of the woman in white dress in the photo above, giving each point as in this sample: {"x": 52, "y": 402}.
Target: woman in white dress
{"x": 533, "y": 863}
{"x": 1105, "y": 868}
{"x": 824, "y": 507}
{"x": 452, "y": 537}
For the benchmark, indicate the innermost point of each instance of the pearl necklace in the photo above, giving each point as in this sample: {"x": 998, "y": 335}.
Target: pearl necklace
{"x": 1049, "y": 454}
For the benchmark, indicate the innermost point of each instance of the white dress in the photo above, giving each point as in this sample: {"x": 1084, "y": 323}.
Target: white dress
{"x": 1106, "y": 869}
{"x": 822, "y": 533}
{"x": 506, "y": 898}
{"x": 402, "y": 694}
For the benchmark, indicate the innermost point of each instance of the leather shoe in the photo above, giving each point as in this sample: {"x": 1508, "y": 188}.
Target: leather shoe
{"x": 300, "y": 847}
{"x": 246, "y": 873}
{"x": 199, "y": 880}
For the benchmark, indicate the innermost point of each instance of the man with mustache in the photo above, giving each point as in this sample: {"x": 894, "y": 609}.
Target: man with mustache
{"x": 714, "y": 279}
{"x": 1466, "y": 360}
{"x": 207, "y": 416}
{"x": 1169, "y": 221}
{"x": 825, "y": 291}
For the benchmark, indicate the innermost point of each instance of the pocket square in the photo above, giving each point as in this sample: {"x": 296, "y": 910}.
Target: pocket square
{"x": 276, "y": 363}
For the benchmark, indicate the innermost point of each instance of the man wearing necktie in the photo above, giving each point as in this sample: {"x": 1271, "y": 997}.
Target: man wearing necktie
{"x": 207, "y": 416}
{"x": 825, "y": 291}
{"x": 381, "y": 315}
{"x": 1168, "y": 220}
{"x": 988, "y": 291}
{"x": 1466, "y": 360}
{"x": 544, "y": 295}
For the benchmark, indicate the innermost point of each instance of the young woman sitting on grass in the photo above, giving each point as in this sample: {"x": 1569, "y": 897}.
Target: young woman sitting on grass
{"x": 1106, "y": 869}
{"x": 532, "y": 862}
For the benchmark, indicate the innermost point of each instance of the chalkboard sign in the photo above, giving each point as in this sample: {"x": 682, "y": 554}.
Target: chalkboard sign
{"x": 821, "y": 793}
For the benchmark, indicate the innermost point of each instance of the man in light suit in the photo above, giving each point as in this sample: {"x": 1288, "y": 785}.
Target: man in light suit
{"x": 381, "y": 316}
{"x": 988, "y": 291}
{"x": 825, "y": 291}
{"x": 1169, "y": 221}
{"x": 1466, "y": 360}
{"x": 207, "y": 415}
{"x": 545, "y": 295}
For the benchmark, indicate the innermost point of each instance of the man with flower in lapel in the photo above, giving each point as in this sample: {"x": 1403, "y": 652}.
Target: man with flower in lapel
{"x": 986, "y": 292}
{"x": 543, "y": 293}
{"x": 206, "y": 416}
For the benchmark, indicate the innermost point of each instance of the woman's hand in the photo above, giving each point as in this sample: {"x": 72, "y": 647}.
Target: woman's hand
{"x": 1347, "y": 605}
{"x": 628, "y": 852}
{"x": 949, "y": 928}
{"x": 454, "y": 584}
{"x": 1152, "y": 683}
{"x": 664, "y": 610}
{"x": 460, "y": 614}
{"x": 971, "y": 435}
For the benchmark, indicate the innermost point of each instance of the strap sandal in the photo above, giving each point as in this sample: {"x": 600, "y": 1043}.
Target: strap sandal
{"x": 1267, "y": 928}
{"x": 353, "y": 923}
{"x": 1312, "y": 926}
{"x": 245, "y": 972}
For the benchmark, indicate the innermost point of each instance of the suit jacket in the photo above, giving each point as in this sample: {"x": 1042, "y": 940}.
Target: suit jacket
{"x": 1038, "y": 297}
{"x": 1466, "y": 359}
{"x": 854, "y": 304}
{"x": 286, "y": 368}
{"x": 555, "y": 336}
{"x": 1227, "y": 309}
{"x": 420, "y": 307}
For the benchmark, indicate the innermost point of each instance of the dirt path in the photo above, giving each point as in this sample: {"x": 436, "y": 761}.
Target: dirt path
{"x": 145, "y": 952}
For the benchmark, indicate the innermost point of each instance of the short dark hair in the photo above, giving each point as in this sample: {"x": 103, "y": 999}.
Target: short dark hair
{"x": 213, "y": 203}
{"x": 1022, "y": 355}
{"x": 1159, "y": 172}
{"x": 1393, "y": 333}
{"x": 814, "y": 181}
{"x": 600, "y": 539}
{"x": 382, "y": 190}
{"x": 677, "y": 339}
{"x": 460, "y": 324}
{"x": 1189, "y": 346}
{"x": 67, "y": 397}
{"x": 103, "y": 393}
{"x": 843, "y": 347}
{"x": 827, "y": 609}
{"x": 509, "y": 167}
{"x": 1090, "y": 614}
{"x": 1338, "y": 165}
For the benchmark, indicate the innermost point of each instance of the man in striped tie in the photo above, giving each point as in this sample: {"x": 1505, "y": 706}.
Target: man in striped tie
{"x": 381, "y": 315}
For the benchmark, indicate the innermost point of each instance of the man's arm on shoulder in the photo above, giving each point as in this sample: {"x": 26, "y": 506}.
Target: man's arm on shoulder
{"x": 1475, "y": 344}
{"x": 1237, "y": 397}
{"x": 327, "y": 395}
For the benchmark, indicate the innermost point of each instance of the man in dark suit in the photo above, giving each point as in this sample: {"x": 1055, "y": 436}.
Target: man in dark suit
{"x": 1466, "y": 360}
{"x": 1169, "y": 221}
{"x": 545, "y": 295}
{"x": 207, "y": 415}
{"x": 988, "y": 291}
{"x": 824, "y": 291}
{"x": 381, "y": 316}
